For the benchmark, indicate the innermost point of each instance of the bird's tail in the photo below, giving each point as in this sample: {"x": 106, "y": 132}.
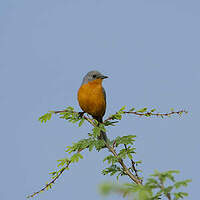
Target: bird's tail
{"x": 103, "y": 134}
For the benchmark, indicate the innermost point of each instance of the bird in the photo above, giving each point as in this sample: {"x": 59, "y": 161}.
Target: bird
{"x": 92, "y": 97}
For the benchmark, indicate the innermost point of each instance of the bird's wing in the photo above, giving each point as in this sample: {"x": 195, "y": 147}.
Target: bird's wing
{"x": 104, "y": 94}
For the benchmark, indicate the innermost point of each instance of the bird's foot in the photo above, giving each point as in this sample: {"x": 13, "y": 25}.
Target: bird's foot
{"x": 80, "y": 114}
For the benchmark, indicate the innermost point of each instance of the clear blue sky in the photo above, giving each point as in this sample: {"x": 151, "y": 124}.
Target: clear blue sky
{"x": 149, "y": 49}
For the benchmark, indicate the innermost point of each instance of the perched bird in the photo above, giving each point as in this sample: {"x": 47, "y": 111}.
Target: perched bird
{"x": 92, "y": 96}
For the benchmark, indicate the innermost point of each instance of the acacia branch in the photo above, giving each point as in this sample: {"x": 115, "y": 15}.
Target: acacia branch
{"x": 74, "y": 112}
{"x": 51, "y": 182}
{"x": 54, "y": 179}
{"x": 157, "y": 114}
{"x": 148, "y": 114}
{"x": 168, "y": 195}
{"x": 135, "y": 178}
{"x": 133, "y": 166}
{"x": 111, "y": 149}
{"x": 121, "y": 162}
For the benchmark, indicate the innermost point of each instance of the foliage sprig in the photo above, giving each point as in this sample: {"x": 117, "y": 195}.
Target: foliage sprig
{"x": 161, "y": 184}
{"x": 121, "y": 151}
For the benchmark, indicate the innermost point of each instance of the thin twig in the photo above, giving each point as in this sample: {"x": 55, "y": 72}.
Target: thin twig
{"x": 150, "y": 114}
{"x": 49, "y": 184}
{"x": 157, "y": 114}
{"x": 133, "y": 165}
{"x": 168, "y": 195}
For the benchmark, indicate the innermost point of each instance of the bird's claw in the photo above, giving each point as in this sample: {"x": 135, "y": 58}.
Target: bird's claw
{"x": 80, "y": 114}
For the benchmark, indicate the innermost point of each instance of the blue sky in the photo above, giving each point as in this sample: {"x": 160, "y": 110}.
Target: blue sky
{"x": 149, "y": 49}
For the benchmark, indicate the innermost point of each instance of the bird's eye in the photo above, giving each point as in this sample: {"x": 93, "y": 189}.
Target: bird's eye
{"x": 94, "y": 76}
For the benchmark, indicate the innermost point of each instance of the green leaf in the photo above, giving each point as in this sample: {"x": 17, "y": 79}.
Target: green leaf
{"x": 118, "y": 114}
{"x": 152, "y": 183}
{"x": 167, "y": 190}
{"x": 63, "y": 161}
{"x": 45, "y": 117}
{"x": 53, "y": 173}
{"x": 102, "y": 127}
{"x": 110, "y": 159}
{"x": 96, "y": 131}
{"x": 140, "y": 192}
{"x": 182, "y": 183}
{"x": 122, "y": 154}
{"x": 138, "y": 162}
{"x": 91, "y": 146}
{"x": 82, "y": 144}
{"x": 132, "y": 109}
{"x": 144, "y": 195}
{"x": 76, "y": 157}
{"x": 69, "y": 109}
{"x": 125, "y": 140}
{"x": 109, "y": 123}
{"x": 122, "y": 109}
{"x": 99, "y": 144}
{"x": 142, "y": 110}
{"x": 180, "y": 195}
{"x": 113, "y": 169}
{"x": 126, "y": 152}
{"x": 81, "y": 122}
{"x": 105, "y": 188}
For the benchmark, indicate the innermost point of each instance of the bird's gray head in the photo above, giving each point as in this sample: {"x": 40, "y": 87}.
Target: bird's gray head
{"x": 93, "y": 75}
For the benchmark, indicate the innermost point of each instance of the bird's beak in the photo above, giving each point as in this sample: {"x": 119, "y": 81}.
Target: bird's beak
{"x": 103, "y": 77}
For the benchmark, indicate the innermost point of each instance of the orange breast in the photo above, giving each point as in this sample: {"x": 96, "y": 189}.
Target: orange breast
{"x": 91, "y": 98}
